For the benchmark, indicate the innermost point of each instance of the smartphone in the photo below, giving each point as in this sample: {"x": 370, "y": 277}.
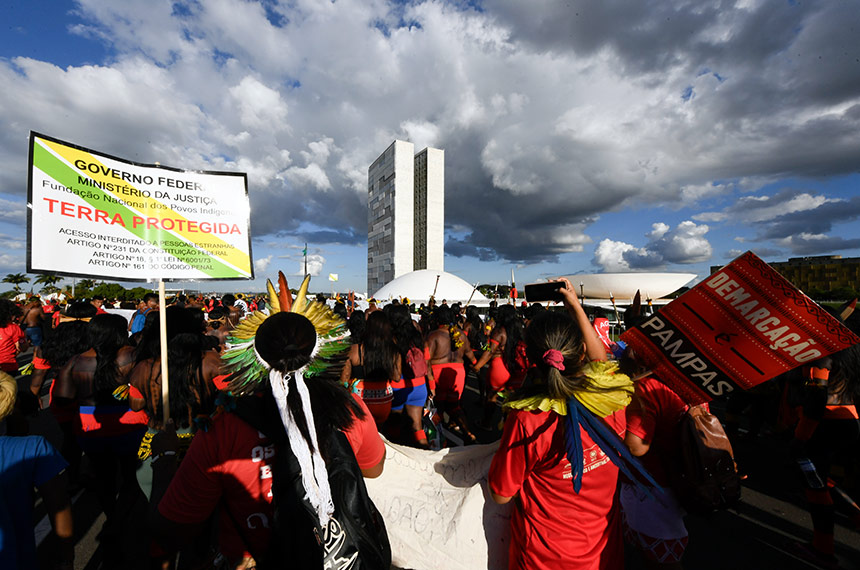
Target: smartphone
{"x": 537, "y": 292}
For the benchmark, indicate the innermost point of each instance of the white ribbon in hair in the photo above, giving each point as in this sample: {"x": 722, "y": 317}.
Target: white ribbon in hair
{"x": 314, "y": 472}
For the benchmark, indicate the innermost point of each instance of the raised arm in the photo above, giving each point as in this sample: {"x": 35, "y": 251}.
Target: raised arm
{"x": 594, "y": 347}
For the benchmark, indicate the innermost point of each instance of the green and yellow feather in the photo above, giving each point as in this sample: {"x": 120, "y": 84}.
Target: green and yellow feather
{"x": 248, "y": 373}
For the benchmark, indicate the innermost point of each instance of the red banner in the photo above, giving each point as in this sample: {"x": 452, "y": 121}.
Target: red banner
{"x": 601, "y": 327}
{"x": 741, "y": 326}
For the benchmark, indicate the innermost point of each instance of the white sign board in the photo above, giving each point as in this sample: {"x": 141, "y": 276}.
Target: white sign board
{"x": 94, "y": 215}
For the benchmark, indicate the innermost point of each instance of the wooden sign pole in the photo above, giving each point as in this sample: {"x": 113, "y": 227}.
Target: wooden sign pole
{"x": 162, "y": 329}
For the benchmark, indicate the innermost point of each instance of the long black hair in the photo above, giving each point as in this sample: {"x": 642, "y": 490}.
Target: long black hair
{"x": 8, "y": 311}
{"x": 356, "y": 324}
{"x": 508, "y": 318}
{"x": 443, "y": 316}
{"x": 406, "y": 335}
{"x": 191, "y": 394}
{"x": 69, "y": 338}
{"x": 180, "y": 320}
{"x": 477, "y": 333}
{"x": 106, "y": 334}
{"x": 380, "y": 352}
{"x": 285, "y": 341}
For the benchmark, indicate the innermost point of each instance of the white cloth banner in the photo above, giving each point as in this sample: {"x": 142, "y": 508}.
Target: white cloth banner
{"x": 438, "y": 511}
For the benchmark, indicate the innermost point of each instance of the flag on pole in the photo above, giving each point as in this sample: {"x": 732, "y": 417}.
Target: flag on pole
{"x": 332, "y": 276}
{"x": 305, "y": 254}
{"x": 513, "y": 286}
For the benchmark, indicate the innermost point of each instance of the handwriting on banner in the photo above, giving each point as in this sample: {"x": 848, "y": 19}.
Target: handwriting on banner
{"x": 437, "y": 511}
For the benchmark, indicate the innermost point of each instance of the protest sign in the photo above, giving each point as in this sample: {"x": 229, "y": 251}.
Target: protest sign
{"x": 741, "y": 326}
{"x": 438, "y": 511}
{"x": 95, "y": 215}
{"x": 601, "y": 327}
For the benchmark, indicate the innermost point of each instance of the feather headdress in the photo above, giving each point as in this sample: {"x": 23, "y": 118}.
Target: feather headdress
{"x": 249, "y": 372}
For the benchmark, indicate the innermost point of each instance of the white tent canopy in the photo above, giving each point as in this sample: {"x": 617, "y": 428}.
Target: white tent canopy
{"x": 418, "y": 286}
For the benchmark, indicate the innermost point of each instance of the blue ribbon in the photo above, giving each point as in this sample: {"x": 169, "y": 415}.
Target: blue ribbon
{"x": 607, "y": 440}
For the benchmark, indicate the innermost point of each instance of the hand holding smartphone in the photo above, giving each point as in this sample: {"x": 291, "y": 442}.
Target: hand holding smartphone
{"x": 538, "y": 292}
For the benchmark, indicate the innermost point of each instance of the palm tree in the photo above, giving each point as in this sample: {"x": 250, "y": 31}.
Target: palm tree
{"x": 50, "y": 289}
{"x": 48, "y": 280}
{"x": 16, "y": 279}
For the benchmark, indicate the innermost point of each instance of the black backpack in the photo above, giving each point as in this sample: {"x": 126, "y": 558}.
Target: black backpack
{"x": 355, "y": 538}
{"x": 706, "y": 477}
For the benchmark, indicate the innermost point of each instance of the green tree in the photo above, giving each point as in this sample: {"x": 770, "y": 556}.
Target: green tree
{"x": 136, "y": 293}
{"x": 83, "y": 288}
{"x": 47, "y": 280}
{"x": 110, "y": 291}
{"x": 16, "y": 279}
{"x": 50, "y": 289}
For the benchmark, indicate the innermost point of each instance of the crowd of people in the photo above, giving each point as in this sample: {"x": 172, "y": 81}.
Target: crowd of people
{"x": 274, "y": 423}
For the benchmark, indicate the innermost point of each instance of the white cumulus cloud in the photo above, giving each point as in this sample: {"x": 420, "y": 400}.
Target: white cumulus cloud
{"x": 261, "y": 264}
{"x": 686, "y": 244}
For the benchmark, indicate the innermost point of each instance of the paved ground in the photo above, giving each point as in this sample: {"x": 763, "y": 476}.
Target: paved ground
{"x": 753, "y": 536}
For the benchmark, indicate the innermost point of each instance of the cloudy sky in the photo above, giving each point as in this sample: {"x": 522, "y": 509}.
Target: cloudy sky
{"x": 661, "y": 135}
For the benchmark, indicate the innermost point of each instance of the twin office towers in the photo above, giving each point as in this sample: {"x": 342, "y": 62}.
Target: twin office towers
{"x": 405, "y": 213}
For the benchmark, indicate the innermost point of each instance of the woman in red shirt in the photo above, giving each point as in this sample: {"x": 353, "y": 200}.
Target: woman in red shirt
{"x": 238, "y": 462}
{"x": 553, "y": 460}
{"x": 505, "y": 353}
{"x": 12, "y": 338}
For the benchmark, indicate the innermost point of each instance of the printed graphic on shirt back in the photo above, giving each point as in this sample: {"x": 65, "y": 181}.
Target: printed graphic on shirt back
{"x": 592, "y": 458}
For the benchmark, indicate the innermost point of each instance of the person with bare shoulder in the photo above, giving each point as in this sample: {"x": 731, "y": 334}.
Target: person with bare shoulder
{"x": 448, "y": 347}
{"x": 373, "y": 365}
{"x": 33, "y": 320}
{"x": 410, "y": 390}
{"x": 505, "y": 353}
{"x": 90, "y": 386}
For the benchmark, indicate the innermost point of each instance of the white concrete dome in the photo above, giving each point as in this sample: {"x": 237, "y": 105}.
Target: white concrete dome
{"x": 418, "y": 286}
{"x": 625, "y": 285}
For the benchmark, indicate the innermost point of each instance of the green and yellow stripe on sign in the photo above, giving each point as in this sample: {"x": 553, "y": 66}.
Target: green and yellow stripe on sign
{"x": 226, "y": 260}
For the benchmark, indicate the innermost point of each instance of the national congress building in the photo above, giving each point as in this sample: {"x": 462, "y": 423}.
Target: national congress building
{"x": 405, "y": 213}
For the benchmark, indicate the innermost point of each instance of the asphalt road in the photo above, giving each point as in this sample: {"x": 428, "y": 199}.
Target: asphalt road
{"x": 754, "y": 536}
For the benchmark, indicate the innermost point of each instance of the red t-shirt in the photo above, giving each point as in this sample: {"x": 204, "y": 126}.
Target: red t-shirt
{"x": 553, "y": 527}
{"x": 9, "y": 337}
{"x": 233, "y": 460}
{"x": 364, "y": 438}
{"x": 655, "y": 420}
